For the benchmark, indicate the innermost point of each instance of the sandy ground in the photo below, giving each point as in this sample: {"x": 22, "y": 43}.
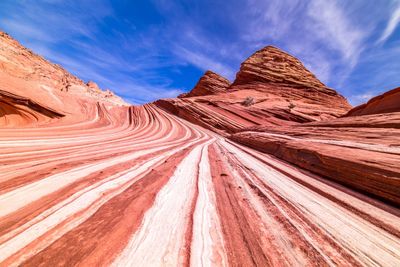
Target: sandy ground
{"x": 156, "y": 190}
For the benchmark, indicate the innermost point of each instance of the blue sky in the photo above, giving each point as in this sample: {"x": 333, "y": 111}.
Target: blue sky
{"x": 145, "y": 50}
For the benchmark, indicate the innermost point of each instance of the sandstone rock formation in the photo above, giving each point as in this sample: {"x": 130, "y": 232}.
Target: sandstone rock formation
{"x": 271, "y": 65}
{"x": 305, "y": 132}
{"x": 362, "y": 154}
{"x": 92, "y": 85}
{"x": 209, "y": 84}
{"x": 271, "y": 88}
{"x": 90, "y": 182}
{"x": 28, "y": 78}
{"x": 385, "y": 103}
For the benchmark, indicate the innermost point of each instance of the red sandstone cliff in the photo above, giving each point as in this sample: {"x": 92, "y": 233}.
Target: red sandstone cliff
{"x": 277, "y": 106}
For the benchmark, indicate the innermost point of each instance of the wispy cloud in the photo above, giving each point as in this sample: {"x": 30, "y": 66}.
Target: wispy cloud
{"x": 204, "y": 63}
{"x": 391, "y": 25}
{"x": 336, "y": 30}
{"x": 362, "y": 98}
{"x": 160, "y": 54}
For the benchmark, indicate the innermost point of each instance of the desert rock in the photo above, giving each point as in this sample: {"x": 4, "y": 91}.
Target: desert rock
{"x": 210, "y": 83}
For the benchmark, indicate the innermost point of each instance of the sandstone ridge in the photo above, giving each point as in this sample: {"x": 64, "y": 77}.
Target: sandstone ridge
{"x": 385, "y": 103}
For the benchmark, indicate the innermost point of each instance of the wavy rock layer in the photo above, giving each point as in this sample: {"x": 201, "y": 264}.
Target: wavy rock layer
{"x": 138, "y": 185}
{"x": 365, "y": 157}
{"x": 272, "y": 88}
{"x": 93, "y": 183}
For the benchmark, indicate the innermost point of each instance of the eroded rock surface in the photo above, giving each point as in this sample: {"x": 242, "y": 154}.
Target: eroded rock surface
{"x": 25, "y": 75}
{"x": 363, "y": 154}
{"x": 271, "y": 88}
{"x": 271, "y": 65}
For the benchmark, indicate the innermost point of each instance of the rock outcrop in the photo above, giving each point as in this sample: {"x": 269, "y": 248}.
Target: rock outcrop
{"x": 385, "y": 103}
{"x": 30, "y": 78}
{"x": 277, "y": 106}
{"x": 209, "y": 84}
{"x": 92, "y": 85}
{"x": 271, "y": 65}
{"x": 271, "y": 88}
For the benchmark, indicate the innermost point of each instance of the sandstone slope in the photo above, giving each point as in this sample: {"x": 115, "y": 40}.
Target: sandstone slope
{"x": 32, "y": 88}
{"x": 359, "y": 152}
{"x": 363, "y": 154}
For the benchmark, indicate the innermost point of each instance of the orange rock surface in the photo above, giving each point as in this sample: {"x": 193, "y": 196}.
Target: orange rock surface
{"x": 33, "y": 90}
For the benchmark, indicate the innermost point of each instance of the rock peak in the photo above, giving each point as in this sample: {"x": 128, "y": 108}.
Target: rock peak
{"x": 209, "y": 84}
{"x": 274, "y": 66}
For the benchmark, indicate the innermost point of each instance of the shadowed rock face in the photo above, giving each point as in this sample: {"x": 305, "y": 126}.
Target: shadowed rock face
{"x": 90, "y": 182}
{"x": 385, "y": 103}
{"x": 210, "y": 83}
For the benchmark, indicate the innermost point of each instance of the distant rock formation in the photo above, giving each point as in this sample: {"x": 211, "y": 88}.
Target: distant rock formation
{"x": 209, "y": 84}
{"x": 93, "y": 85}
{"x": 34, "y": 90}
{"x": 271, "y": 65}
{"x": 271, "y": 88}
{"x": 385, "y": 103}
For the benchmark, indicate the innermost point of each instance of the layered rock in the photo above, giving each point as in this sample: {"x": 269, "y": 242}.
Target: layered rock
{"x": 271, "y": 88}
{"x": 362, "y": 154}
{"x": 271, "y": 65}
{"x": 17, "y": 110}
{"x": 209, "y": 84}
{"x": 277, "y": 106}
{"x": 29, "y": 78}
{"x": 385, "y": 103}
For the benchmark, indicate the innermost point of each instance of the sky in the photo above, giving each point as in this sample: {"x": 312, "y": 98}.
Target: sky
{"x": 144, "y": 50}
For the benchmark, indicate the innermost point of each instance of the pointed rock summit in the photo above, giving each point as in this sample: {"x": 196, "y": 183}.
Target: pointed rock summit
{"x": 274, "y": 66}
{"x": 209, "y": 84}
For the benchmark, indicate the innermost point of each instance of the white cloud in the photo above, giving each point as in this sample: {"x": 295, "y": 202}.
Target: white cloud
{"x": 328, "y": 36}
{"x": 391, "y": 25}
{"x": 269, "y": 19}
{"x": 362, "y": 98}
{"x": 331, "y": 24}
{"x": 204, "y": 62}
